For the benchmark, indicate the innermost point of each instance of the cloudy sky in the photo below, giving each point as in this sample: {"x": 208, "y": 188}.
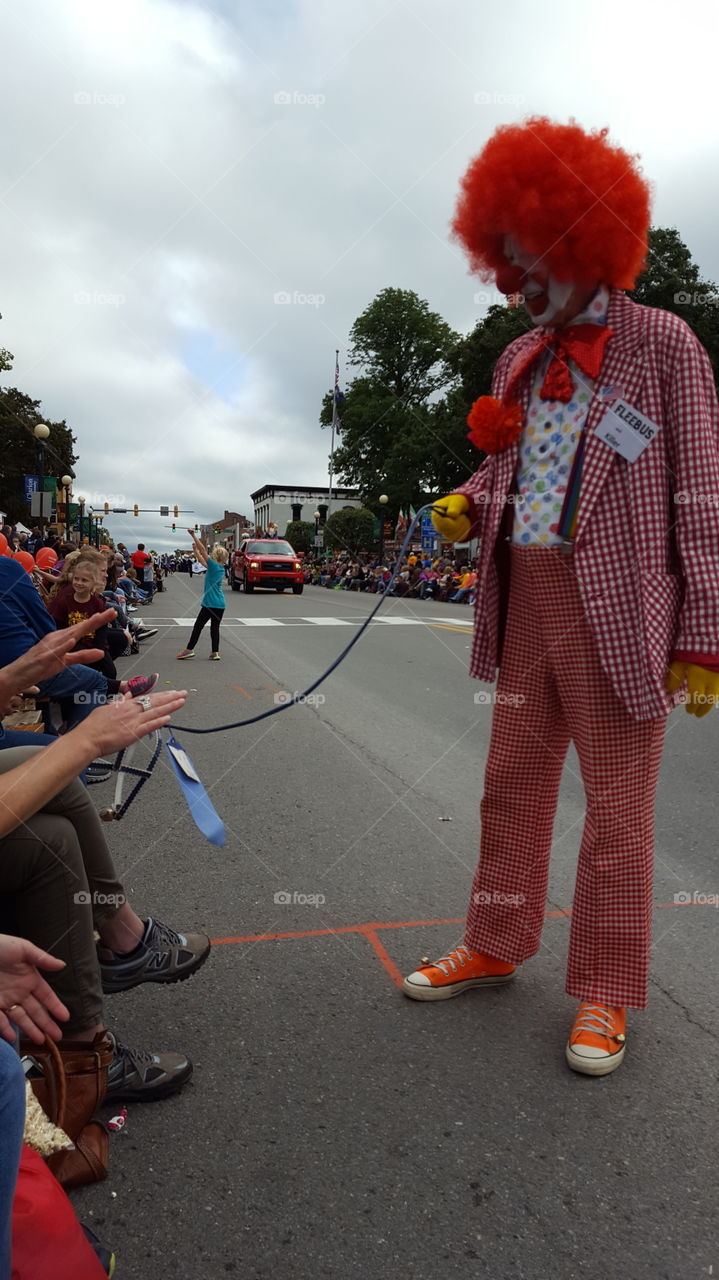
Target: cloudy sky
{"x": 198, "y": 199}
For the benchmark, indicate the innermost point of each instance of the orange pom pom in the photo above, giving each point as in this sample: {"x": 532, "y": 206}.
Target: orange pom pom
{"x": 494, "y": 425}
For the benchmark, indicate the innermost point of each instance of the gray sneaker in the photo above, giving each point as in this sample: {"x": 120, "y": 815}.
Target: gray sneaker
{"x": 162, "y": 956}
{"x": 137, "y": 1076}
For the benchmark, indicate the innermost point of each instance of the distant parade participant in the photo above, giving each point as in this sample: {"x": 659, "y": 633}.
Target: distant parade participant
{"x": 597, "y": 597}
{"x": 213, "y": 599}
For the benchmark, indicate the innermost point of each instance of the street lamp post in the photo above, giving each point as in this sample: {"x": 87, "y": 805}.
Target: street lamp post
{"x": 383, "y": 500}
{"x": 41, "y": 432}
{"x": 81, "y": 504}
{"x": 66, "y": 482}
{"x": 317, "y": 530}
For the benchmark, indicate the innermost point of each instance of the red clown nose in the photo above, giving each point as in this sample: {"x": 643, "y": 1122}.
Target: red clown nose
{"x": 509, "y": 279}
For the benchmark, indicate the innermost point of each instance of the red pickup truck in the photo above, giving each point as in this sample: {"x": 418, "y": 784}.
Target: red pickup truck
{"x": 266, "y": 562}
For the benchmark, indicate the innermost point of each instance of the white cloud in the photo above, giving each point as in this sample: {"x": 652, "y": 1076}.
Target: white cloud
{"x": 156, "y": 197}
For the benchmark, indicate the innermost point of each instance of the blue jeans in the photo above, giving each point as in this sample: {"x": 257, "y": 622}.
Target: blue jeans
{"x": 81, "y": 687}
{"x": 12, "y": 1119}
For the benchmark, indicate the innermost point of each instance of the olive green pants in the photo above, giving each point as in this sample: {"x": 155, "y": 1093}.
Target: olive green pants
{"x": 58, "y": 879}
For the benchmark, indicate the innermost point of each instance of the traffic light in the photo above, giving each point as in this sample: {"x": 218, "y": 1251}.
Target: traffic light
{"x": 136, "y": 510}
{"x": 173, "y": 528}
{"x": 107, "y": 508}
{"x": 197, "y": 528}
{"x": 175, "y": 511}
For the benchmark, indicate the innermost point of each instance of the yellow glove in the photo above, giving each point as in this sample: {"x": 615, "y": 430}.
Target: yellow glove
{"x": 451, "y": 517}
{"x": 702, "y": 686}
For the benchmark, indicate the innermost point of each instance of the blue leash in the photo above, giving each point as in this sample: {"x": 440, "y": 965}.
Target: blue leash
{"x": 300, "y": 697}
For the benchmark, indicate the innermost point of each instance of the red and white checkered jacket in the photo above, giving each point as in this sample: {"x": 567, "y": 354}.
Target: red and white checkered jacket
{"x": 646, "y": 553}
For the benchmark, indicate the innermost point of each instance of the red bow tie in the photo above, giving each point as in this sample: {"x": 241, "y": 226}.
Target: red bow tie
{"x": 582, "y": 343}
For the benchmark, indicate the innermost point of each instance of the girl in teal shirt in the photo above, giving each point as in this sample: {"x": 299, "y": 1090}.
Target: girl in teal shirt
{"x": 213, "y": 599}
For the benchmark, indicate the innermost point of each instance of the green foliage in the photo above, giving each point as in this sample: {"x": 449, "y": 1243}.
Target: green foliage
{"x": 403, "y": 349}
{"x": 351, "y": 529}
{"x": 299, "y": 534}
{"x": 671, "y": 280}
{"x": 6, "y": 359}
{"x": 18, "y": 449}
{"x": 472, "y": 361}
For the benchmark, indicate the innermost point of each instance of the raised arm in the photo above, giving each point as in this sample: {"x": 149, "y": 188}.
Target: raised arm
{"x": 200, "y": 548}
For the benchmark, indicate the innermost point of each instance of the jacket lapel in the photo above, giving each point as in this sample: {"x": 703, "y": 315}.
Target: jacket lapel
{"x": 623, "y": 368}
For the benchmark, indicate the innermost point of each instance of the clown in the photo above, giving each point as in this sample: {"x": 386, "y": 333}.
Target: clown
{"x": 597, "y": 514}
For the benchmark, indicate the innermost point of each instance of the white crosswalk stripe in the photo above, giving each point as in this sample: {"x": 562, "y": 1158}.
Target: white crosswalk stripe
{"x": 330, "y": 622}
{"x": 397, "y": 620}
{"x": 261, "y": 622}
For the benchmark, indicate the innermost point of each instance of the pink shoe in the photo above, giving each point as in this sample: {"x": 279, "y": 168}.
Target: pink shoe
{"x": 139, "y": 685}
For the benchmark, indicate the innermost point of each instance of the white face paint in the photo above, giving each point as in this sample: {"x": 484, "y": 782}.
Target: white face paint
{"x": 544, "y": 296}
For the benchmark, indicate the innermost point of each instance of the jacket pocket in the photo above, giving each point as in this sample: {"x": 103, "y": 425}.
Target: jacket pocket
{"x": 661, "y": 601}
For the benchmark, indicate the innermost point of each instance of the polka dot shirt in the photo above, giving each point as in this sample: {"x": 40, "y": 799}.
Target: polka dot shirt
{"x": 549, "y": 442}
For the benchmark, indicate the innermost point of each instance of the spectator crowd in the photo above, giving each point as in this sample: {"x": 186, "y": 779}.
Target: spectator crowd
{"x": 69, "y": 616}
{"x": 421, "y": 576}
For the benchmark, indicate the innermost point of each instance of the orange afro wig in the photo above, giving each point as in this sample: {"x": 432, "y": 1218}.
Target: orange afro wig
{"x": 569, "y": 197}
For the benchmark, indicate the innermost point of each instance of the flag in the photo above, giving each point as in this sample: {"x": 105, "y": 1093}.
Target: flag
{"x": 412, "y": 514}
{"x": 338, "y": 399}
{"x": 400, "y": 527}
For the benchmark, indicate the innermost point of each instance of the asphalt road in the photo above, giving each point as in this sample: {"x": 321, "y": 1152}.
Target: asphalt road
{"x": 334, "y": 1128}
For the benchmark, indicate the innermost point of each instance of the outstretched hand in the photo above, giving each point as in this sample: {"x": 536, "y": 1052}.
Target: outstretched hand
{"x": 53, "y": 653}
{"x": 118, "y": 724}
{"x": 26, "y": 999}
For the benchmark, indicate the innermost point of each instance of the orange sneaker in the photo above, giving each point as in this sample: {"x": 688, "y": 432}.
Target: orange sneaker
{"x": 456, "y": 972}
{"x": 597, "y": 1040}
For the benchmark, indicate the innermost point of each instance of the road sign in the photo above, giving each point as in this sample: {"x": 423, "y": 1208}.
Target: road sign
{"x": 164, "y": 511}
{"x": 31, "y": 484}
{"x": 319, "y": 539}
{"x": 41, "y": 504}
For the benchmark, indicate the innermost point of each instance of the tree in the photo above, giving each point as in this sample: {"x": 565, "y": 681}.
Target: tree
{"x": 401, "y": 348}
{"x": 18, "y": 447}
{"x": 351, "y": 529}
{"x": 299, "y": 534}
{"x": 671, "y": 280}
{"x": 453, "y": 458}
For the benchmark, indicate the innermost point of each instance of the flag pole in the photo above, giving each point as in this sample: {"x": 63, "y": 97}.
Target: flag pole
{"x": 334, "y": 424}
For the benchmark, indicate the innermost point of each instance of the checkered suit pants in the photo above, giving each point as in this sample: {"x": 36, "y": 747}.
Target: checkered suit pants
{"x": 552, "y": 690}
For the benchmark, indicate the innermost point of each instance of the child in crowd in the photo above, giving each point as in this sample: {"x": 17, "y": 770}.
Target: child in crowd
{"x": 75, "y": 598}
{"x": 213, "y": 600}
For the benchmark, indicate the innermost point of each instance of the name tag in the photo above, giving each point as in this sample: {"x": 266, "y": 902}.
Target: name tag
{"x": 183, "y": 761}
{"x": 626, "y": 430}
